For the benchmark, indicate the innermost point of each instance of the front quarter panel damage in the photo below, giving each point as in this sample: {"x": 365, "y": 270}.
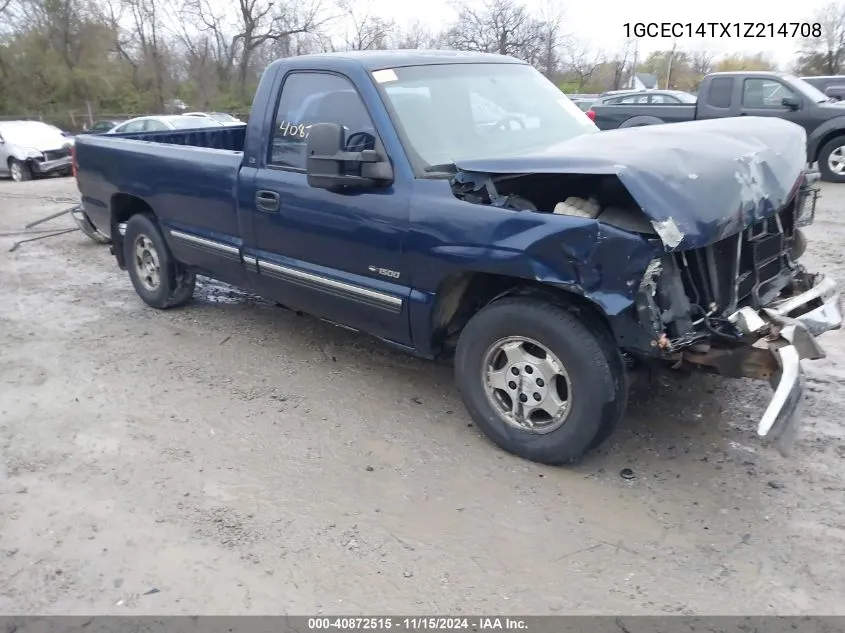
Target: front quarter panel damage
{"x": 601, "y": 263}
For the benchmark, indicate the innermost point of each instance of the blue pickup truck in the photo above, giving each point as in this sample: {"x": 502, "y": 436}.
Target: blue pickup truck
{"x": 458, "y": 206}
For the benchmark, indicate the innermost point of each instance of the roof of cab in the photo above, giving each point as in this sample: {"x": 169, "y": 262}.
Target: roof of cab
{"x": 378, "y": 60}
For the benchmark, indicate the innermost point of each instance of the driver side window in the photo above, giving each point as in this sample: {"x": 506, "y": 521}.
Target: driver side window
{"x": 312, "y": 97}
{"x": 764, "y": 93}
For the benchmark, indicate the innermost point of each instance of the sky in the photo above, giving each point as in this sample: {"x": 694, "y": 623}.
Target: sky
{"x": 601, "y": 22}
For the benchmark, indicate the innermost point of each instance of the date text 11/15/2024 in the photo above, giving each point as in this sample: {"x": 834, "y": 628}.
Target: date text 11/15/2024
{"x": 416, "y": 623}
{"x": 722, "y": 29}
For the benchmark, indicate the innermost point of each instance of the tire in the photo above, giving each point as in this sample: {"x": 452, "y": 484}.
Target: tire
{"x": 158, "y": 278}
{"x": 19, "y": 171}
{"x": 834, "y": 147}
{"x": 595, "y": 377}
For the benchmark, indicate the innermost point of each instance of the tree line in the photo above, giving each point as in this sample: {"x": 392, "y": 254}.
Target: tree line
{"x": 64, "y": 57}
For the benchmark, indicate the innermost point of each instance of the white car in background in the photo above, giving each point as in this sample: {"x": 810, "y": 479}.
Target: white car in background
{"x": 220, "y": 117}
{"x": 29, "y": 149}
{"x": 162, "y": 123}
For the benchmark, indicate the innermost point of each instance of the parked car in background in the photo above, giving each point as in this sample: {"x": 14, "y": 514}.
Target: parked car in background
{"x": 584, "y": 104}
{"x": 163, "y": 123}
{"x": 750, "y": 93}
{"x": 648, "y": 97}
{"x": 31, "y": 148}
{"x": 220, "y": 117}
{"x": 102, "y": 126}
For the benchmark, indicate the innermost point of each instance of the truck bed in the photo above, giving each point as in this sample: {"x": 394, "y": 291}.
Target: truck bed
{"x": 229, "y": 138}
{"x": 610, "y": 117}
{"x": 185, "y": 174}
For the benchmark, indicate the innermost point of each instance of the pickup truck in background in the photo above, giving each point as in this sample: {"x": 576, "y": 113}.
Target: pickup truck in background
{"x": 744, "y": 93}
{"x": 458, "y": 206}
{"x": 832, "y": 85}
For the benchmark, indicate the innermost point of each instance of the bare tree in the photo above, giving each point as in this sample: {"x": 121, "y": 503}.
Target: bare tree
{"x": 580, "y": 62}
{"x": 5, "y": 9}
{"x": 825, "y": 54}
{"x": 147, "y": 26}
{"x": 620, "y": 64}
{"x": 367, "y": 31}
{"x": 414, "y": 36}
{"x": 552, "y": 33}
{"x": 498, "y": 26}
{"x": 701, "y": 62}
{"x": 253, "y": 24}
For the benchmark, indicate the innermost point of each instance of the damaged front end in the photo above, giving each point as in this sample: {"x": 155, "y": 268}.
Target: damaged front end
{"x": 717, "y": 208}
{"x": 743, "y": 307}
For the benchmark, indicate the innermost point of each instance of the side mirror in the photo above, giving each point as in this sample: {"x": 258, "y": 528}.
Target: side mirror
{"x": 790, "y": 102}
{"x": 329, "y": 166}
{"x": 835, "y": 92}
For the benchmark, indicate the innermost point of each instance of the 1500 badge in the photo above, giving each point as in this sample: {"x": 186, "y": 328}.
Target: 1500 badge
{"x": 393, "y": 274}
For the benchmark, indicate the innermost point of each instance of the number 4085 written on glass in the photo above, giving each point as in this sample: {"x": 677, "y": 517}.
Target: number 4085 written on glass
{"x": 286, "y": 128}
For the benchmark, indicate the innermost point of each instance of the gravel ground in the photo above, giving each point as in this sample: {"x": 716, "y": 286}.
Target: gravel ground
{"x": 232, "y": 457}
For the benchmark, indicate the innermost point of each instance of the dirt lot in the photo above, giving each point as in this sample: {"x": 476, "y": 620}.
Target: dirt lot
{"x": 233, "y": 457}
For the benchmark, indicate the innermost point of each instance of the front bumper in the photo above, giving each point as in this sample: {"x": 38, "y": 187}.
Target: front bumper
{"x": 788, "y": 329}
{"x": 51, "y": 166}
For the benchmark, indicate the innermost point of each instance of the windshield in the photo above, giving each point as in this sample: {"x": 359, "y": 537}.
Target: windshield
{"x": 223, "y": 117}
{"x": 31, "y": 134}
{"x": 192, "y": 122}
{"x": 808, "y": 90}
{"x": 454, "y": 112}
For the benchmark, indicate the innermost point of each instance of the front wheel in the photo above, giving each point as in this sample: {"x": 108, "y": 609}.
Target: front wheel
{"x": 158, "y": 278}
{"x": 832, "y": 160}
{"x": 538, "y": 381}
{"x": 19, "y": 171}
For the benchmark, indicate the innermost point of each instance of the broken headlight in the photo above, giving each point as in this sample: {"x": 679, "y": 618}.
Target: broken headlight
{"x": 805, "y": 204}
{"x": 661, "y": 301}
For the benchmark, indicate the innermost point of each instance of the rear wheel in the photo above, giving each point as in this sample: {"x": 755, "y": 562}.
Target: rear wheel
{"x": 538, "y": 381}
{"x": 832, "y": 160}
{"x": 158, "y": 278}
{"x": 19, "y": 171}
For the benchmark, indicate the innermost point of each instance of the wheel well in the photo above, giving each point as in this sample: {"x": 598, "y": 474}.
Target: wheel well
{"x": 123, "y": 207}
{"x": 827, "y": 138}
{"x": 461, "y": 295}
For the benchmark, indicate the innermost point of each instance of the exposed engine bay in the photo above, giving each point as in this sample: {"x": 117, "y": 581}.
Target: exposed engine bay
{"x": 597, "y": 197}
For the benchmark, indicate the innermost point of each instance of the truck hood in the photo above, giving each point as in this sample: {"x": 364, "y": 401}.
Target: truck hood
{"x": 697, "y": 182}
{"x": 832, "y": 109}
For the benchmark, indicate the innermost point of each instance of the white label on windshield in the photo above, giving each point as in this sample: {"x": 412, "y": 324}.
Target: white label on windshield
{"x": 575, "y": 111}
{"x": 383, "y": 76}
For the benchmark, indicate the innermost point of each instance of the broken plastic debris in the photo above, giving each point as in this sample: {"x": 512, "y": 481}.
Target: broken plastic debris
{"x": 668, "y": 232}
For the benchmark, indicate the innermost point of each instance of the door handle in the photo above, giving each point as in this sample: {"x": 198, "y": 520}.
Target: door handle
{"x": 267, "y": 201}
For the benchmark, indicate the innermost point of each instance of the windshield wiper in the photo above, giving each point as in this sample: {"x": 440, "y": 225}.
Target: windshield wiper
{"x": 443, "y": 168}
